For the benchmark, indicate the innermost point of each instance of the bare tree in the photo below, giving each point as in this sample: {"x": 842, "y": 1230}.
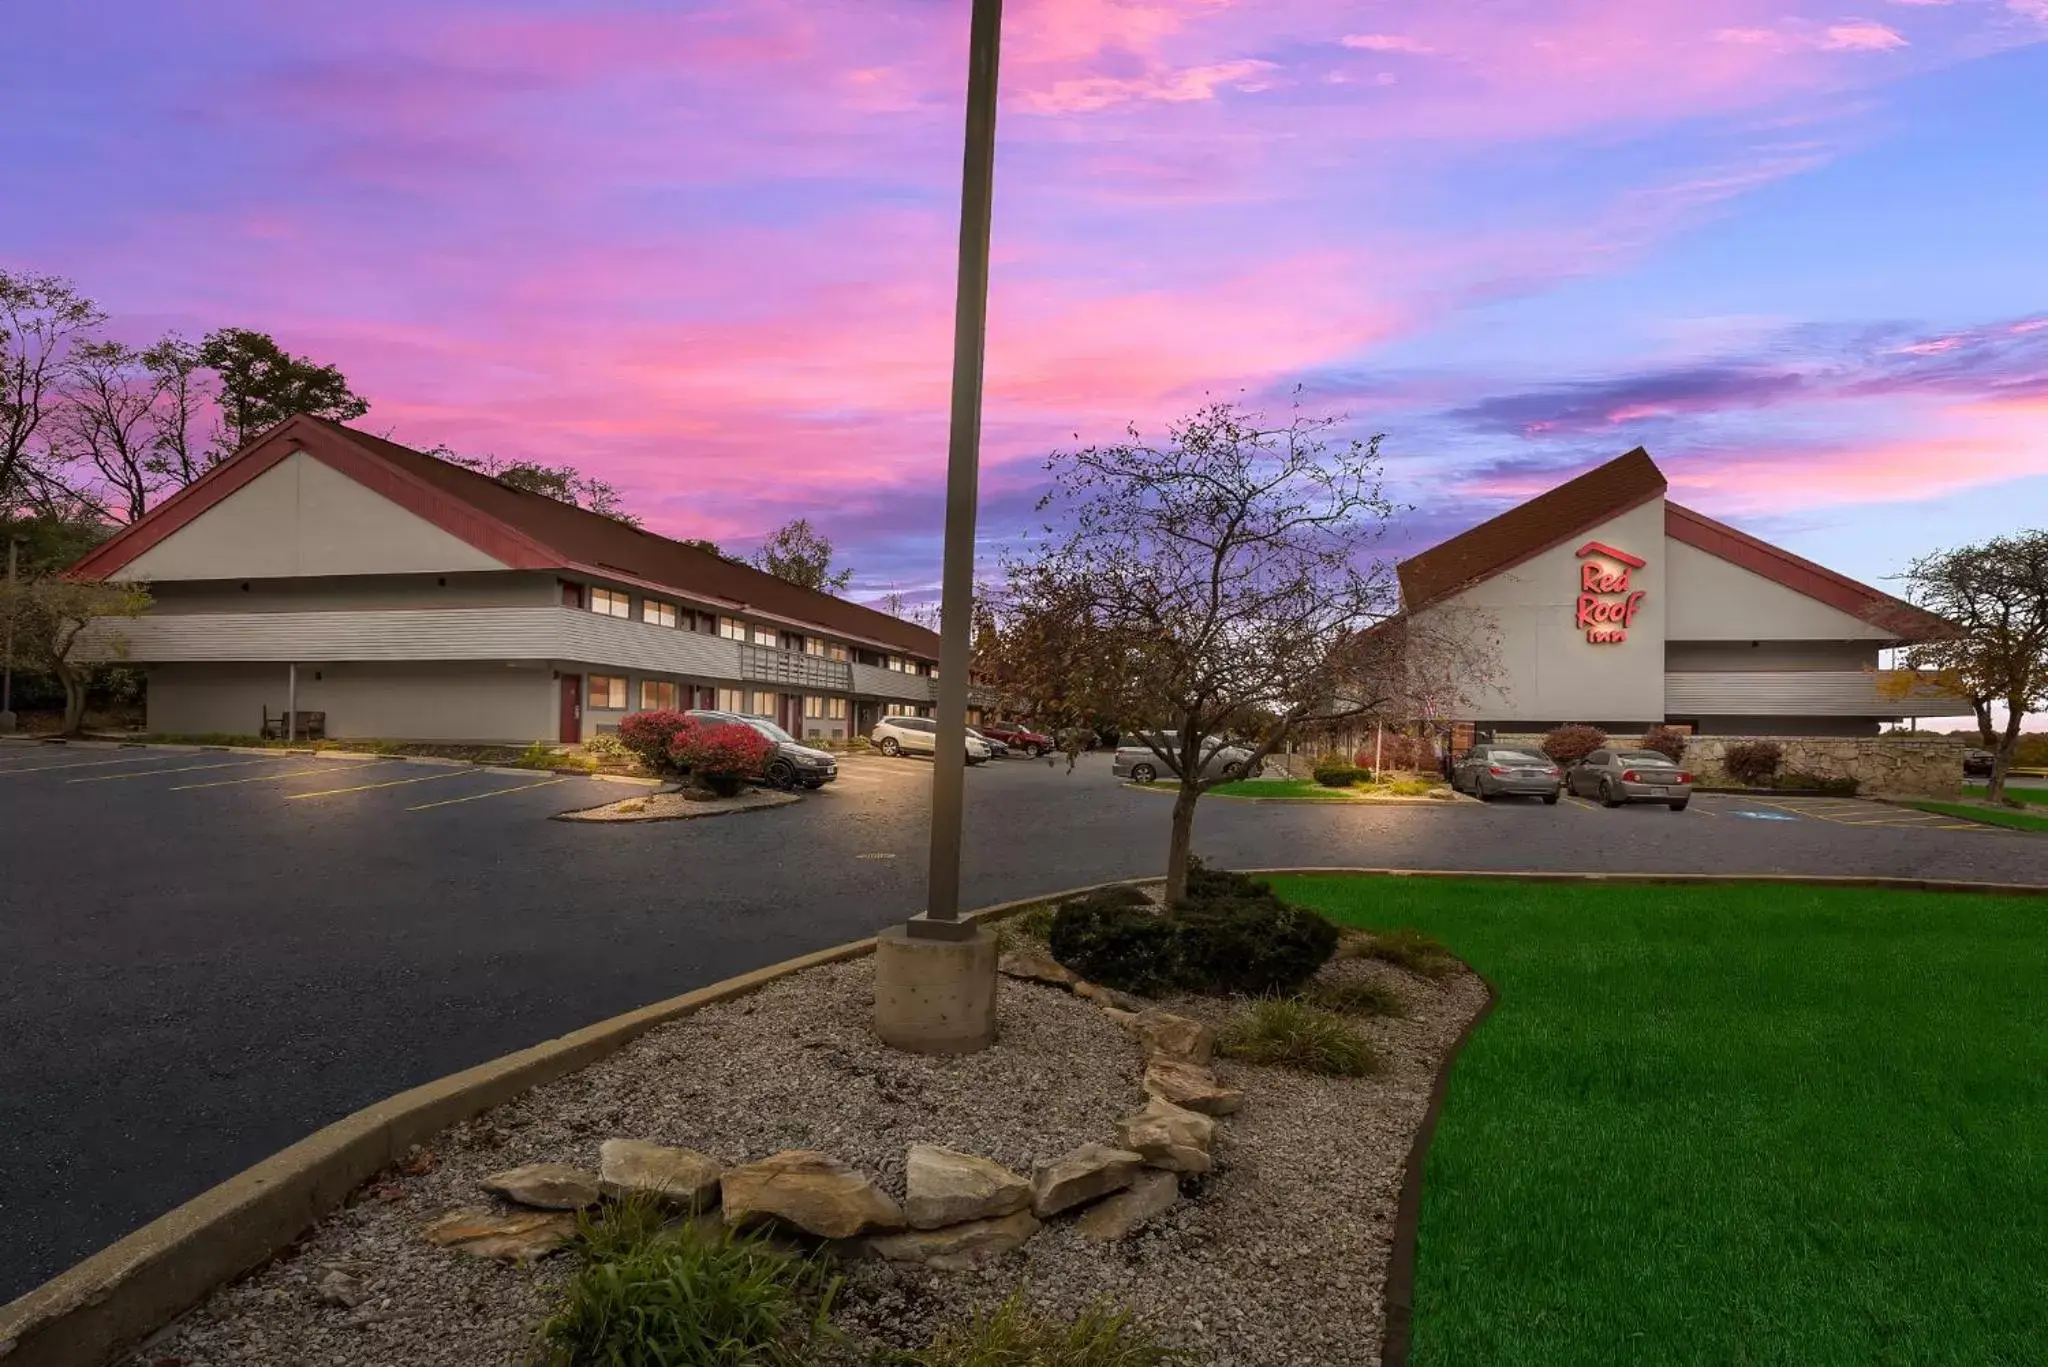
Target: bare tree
{"x": 1996, "y": 594}
{"x": 105, "y": 427}
{"x": 41, "y": 317}
{"x": 562, "y": 483}
{"x": 1220, "y": 585}
{"x": 181, "y": 391}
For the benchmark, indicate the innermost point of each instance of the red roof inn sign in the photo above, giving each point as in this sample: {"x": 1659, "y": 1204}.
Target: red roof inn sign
{"x": 1607, "y": 605}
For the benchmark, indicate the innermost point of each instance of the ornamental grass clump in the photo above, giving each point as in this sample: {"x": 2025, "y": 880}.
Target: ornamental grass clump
{"x": 1011, "y": 1335}
{"x": 1355, "y": 999}
{"x": 648, "y": 1295}
{"x": 1289, "y": 1031}
{"x": 1409, "y": 949}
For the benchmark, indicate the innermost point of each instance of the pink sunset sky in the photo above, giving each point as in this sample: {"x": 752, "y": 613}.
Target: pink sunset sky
{"x": 705, "y": 250}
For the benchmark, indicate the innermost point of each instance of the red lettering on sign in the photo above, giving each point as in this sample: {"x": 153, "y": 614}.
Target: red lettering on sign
{"x": 1600, "y": 579}
{"x": 1602, "y": 612}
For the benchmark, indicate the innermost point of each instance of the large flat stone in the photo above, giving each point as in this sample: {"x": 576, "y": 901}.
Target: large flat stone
{"x": 947, "y": 1187}
{"x": 808, "y": 1189}
{"x": 1035, "y": 966}
{"x": 1086, "y": 1174}
{"x": 1169, "y": 1137}
{"x": 521, "y": 1237}
{"x": 545, "y": 1186}
{"x": 958, "y": 1248}
{"x": 634, "y": 1167}
{"x": 1162, "y": 1034}
{"x": 1150, "y": 1194}
{"x": 1191, "y": 1086}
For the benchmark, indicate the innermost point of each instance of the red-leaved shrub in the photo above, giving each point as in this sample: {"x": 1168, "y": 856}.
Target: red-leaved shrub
{"x": 651, "y": 736}
{"x": 1398, "y": 752}
{"x": 721, "y": 755}
{"x": 1754, "y": 762}
{"x": 1570, "y": 744}
{"x": 1666, "y": 742}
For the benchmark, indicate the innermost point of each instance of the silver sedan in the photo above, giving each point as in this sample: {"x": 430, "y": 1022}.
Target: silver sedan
{"x": 1618, "y": 777}
{"x": 1139, "y": 764}
{"x": 1491, "y": 771}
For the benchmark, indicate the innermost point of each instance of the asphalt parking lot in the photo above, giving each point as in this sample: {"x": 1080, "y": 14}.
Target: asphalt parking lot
{"x": 204, "y": 956}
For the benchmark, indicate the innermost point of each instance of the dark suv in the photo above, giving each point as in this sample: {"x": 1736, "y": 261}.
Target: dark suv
{"x": 792, "y": 762}
{"x": 1018, "y": 736}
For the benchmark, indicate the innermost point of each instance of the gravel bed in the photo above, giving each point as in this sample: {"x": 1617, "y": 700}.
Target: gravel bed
{"x": 669, "y": 805}
{"x": 1278, "y": 1257}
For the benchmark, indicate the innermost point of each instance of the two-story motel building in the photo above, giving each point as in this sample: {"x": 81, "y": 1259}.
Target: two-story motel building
{"x": 410, "y": 599}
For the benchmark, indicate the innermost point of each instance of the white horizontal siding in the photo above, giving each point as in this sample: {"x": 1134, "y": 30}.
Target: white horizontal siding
{"x": 1800, "y": 693}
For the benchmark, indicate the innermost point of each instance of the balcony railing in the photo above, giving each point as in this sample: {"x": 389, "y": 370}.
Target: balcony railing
{"x": 794, "y": 669}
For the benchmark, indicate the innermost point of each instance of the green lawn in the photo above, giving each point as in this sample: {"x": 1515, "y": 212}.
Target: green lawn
{"x": 1995, "y": 816}
{"x": 1721, "y": 1125}
{"x": 2033, "y": 796}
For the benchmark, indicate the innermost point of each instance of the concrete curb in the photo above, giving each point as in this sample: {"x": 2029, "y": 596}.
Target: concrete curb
{"x": 281, "y": 752}
{"x": 85, "y": 1316}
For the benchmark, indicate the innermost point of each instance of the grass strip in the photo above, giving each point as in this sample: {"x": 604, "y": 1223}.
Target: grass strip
{"x": 1990, "y": 816}
{"x": 1707, "y": 1125}
{"x": 2033, "y": 797}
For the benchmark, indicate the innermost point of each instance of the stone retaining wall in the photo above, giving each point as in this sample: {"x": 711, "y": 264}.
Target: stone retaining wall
{"x": 1883, "y": 766}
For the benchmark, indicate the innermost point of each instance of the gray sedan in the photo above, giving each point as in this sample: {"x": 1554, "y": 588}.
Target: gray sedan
{"x": 1139, "y": 764}
{"x": 1491, "y": 771}
{"x": 1617, "y": 777}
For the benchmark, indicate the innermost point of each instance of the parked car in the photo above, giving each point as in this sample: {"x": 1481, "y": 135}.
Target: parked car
{"x": 1018, "y": 736}
{"x": 1617, "y": 777}
{"x": 1491, "y": 771}
{"x": 919, "y": 736}
{"x": 1138, "y": 763}
{"x": 996, "y": 749}
{"x": 792, "y": 764}
{"x": 1978, "y": 763}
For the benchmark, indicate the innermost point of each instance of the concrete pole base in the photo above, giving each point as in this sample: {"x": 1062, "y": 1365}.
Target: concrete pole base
{"x": 935, "y": 996}
{"x": 6, "y": 723}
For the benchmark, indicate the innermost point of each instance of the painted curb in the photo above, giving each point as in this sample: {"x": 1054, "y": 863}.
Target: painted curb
{"x": 118, "y": 1297}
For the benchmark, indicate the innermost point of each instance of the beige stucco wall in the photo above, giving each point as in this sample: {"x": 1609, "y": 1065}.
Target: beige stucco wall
{"x": 1712, "y": 600}
{"x": 1548, "y": 670}
{"x": 301, "y": 517}
{"x": 447, "y": 702}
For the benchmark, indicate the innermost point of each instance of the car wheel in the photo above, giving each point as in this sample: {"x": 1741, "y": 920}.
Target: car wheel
{"x": 890, "y": 747}
{"x": 1233, "y": 771}
{"x": 1143, "y": 773}
{"x": 1550, "y": 799}
{"x": 1035, "y": 751}
{"x": 1680, "y": 806}
{"x": 1479, "y": 791}
{"x": 781, "y": 774}
{"x": 1607, "y": 797}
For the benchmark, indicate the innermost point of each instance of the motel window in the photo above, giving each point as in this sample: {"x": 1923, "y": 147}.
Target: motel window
{"x": 657, "y": 696}
{"x": 835, "y": 709}
{"x": 838, "y": 652}
{"x": 732, "y": 628}
{"x": 660, "y": 613}
{"x": 814, "y": 645}
{"x": 764, "y": 704}
{"x": 611, "y": 602}
{"x": 608, "y": 691}
{"x": 767, "y": 636}
{"x": 732, "y": 699}
{"x": 898, "y": 663}
{"x": 814, "y": 706}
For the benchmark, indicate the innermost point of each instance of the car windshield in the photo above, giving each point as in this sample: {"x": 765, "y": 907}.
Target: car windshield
{"x": 1646, "y": 757}
{"x": 1515, "y": 757}
{"x": 772, "y": 731}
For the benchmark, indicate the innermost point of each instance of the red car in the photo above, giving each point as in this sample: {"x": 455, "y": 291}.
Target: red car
{"x": 1018, "y": 736}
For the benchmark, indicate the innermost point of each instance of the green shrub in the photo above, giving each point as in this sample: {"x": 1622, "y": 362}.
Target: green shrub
{"x": 1336, "y": 773}
{"x": 1754, "y": 762}
{"x": 1833, "y": 787}
{"x": 1114, "y": 937}
{"x": 1569, "y": 744}
{"x": 1409, "y": 949}
{"x": 1355, "y": 999}
{"x": 1207, "y": 884}
{"x": 1285, "y": 1030}
{"x": 1035, "y": 922}
{"x": 649, "y": 1296}
{"x": 1012, "y": 1336}
{"x": 1252, "y": 945}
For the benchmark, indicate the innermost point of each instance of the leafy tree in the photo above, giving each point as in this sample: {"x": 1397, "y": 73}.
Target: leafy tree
{"x": 262, "y": 384}
{"x": 50, "y": 615}
{"x": 1996, "y": 594}
{"x": 701, "y": 544}
{"x": 798, "y": 552}
{"x": 562, "y": 483}
{"x": 41, "y": 317}
{"x": 1216, "y": 586}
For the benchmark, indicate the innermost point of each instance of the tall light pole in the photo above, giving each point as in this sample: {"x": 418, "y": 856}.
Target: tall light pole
{"x": 935, "y": 975}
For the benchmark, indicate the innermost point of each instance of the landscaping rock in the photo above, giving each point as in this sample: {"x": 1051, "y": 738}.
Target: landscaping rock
{"x": 340, "y": 1289}
{"x": 958, "y": 1248}
{"x": 1190, "y": 1085}
{"x": 810, "y": 1190}
{"x": 1086, "y": 1174}
{"x": 1108, "y": 996}
{"x": 947, "y": 1187}
{"x": 1169, "y": 1137}
{"x": 1033, "y": 966}
{"x": 545, "y": 1186}
{"x": 634, "y": 1167}
{"x": 1150, "y": 1194}
{"x": 523, "y": 1237}
{"x": 1162, "y": 1034}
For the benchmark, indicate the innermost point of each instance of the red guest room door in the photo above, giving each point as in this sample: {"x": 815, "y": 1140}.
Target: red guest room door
{"x": 572, "y": 709}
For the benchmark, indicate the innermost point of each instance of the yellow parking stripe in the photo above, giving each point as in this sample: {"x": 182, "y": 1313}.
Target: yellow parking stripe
{"x": 180, "y": 769}
{"x": 327, "y": 768}
{"x": 92, "y": 764}
{"x": 390, "y": 783}
{"x": 495, "y": 792}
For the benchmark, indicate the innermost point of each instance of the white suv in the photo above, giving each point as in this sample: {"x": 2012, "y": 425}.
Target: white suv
{"x": 919, "y": 736}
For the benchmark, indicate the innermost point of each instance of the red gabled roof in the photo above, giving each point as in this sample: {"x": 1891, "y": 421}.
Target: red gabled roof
{"x": 1550, "y": 519}
{"x": 1802, "y": 576}
{"x": 520, "y": 529}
